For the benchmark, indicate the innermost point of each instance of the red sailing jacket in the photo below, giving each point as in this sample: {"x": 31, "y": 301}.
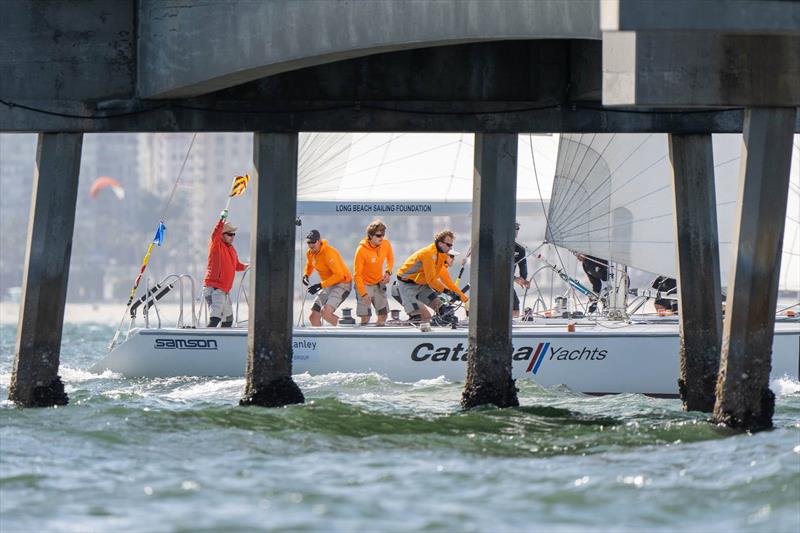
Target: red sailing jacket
{"x": 223, "y": 262}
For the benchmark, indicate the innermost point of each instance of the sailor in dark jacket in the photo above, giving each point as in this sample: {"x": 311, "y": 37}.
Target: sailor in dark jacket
{"x": 521, "y": 263}
{"x": 597, "y": 271}
{"x": 667, "y": 286}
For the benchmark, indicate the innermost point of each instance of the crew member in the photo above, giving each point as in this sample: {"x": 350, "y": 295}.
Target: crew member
{"x": 418, "y": 281}
{"x": 521, "y": 263}
{"x": 336, "y": 280}
{"x": 372, "y": 270}
{"x": 667, "y": 286}
{"x": 223, "y": 264}
{"x": 444, "y": 275}
{"x": 597, "y": 271}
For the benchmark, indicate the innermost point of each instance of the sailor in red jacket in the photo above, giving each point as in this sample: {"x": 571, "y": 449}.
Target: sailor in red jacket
{"x": 223, "y": 264}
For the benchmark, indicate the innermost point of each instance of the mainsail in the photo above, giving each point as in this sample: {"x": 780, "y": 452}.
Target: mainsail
{"x": 612, "y": 198}
{"x": 407, "y": 166}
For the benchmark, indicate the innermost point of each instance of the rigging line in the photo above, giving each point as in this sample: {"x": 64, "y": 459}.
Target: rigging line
{"x": 728, "y": 161}
{"x": 541, "y": 200}
{"x": 180, "y": 173}
{"x": 599, "y": 158}
{"x": 383, "y": 159}
{"x": 608, "y": 178}
{"x": 455, "y": 165}
{"x": 565, "y": 145}
{"x": 319, "y": 145}
{"x": 612, "y": 191}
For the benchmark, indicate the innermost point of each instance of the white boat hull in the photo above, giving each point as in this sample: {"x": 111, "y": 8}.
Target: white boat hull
{"x": 637, "y": 358}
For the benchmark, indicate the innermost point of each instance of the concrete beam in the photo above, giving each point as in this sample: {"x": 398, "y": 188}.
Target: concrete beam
{"x": 697, "y": 69}
{"x": 269, "y": 341}
{"x": 364, "y": 116}
{"x": 744, "y": 399}
{"x": 189, "y": 48}
{"x": 692, "y": 160}
{"x": 730, "y": 16}
{"x": 35, "y": 381}
{"x": 489, "y": 379}
{"x": 68, "y": 50}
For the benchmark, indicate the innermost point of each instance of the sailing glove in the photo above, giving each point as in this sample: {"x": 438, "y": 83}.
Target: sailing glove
{"x": 315, "y": 288}
{"x": 223, "y": 215}
{"x": 452, "y": 294}
{"x": 305, "y": 281}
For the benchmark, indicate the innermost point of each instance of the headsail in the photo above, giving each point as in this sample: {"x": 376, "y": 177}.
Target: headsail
{"x": 612, "y": 198}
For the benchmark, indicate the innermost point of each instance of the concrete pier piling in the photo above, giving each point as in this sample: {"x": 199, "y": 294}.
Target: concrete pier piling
{"x": 489, "y": 378}
{"x": 744, "y": 399}
{"x": 35, "y": 381}
{"x": 692, "y": 160}
{"x": 269, "y": 342}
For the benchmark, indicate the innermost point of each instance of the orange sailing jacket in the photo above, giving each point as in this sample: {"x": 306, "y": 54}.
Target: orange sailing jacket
{"x": 329, "y": 264}
{"x": 423, "y": 267}
{"x": 223, "y": 262}
{"x": 368, "y": 264}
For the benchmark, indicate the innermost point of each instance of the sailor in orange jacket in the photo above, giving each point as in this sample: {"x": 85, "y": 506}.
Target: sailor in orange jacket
{"x": 336, "y": 279}
{"x": 419, "y": 279}
{"x": 369, "y": 274}
{"x": 223, "y": 264}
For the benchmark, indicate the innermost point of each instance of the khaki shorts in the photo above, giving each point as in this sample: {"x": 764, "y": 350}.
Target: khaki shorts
{"x": 333, "y": 296}
{"x": 219, "y": 303}
{"x": 377, "y": 293}
{"x": 413, "y": 296}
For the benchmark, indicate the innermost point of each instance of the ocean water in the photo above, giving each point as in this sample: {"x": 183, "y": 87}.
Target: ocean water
{"x": 366, "y": 453}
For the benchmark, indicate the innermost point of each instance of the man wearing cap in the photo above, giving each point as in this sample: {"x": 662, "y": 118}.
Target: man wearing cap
{"x": 336, "y": 280}
{"x": 521, "y": 263}
{"x": 419, "y": 279}
{"x": 448, "y": 280}
{"x": 223, "y": 264}
{"x": 369, "y": 274}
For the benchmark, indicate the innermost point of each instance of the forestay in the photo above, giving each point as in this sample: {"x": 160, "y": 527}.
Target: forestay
{"x": 612, "y": 198}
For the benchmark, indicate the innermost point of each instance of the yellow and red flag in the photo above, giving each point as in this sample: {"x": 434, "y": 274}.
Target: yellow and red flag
{"x": 239, "y": 185}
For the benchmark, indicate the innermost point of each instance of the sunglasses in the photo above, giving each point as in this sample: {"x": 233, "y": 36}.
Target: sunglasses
{"x": 231, "y": 234}
{"x": 380, "y": 235}
{"x": 448, "y": 244}
{"x": 311, "y": 242}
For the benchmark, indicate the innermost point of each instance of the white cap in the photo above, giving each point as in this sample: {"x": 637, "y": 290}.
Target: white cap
{"x": 453, "y": 253}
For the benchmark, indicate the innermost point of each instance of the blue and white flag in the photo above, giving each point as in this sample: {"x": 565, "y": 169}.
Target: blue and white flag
{"x": 159, "y": 236}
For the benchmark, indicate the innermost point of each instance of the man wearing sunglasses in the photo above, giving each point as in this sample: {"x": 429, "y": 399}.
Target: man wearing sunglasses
{"x": 418, "y": 284}
{"x": 336, "y": 280}
{"x": 370, "y": 275}
{"x": 223, "y": 264}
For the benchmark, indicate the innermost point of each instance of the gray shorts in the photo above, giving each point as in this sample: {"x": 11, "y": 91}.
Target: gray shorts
{"x": 333, "y": 296}
{"x": 377, "y": 293}
{"x": 413, "y": 296}
{"x": 218, "y": 302}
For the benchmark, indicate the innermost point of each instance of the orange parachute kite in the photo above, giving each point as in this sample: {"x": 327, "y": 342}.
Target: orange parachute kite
{"x": 104, "y": 181}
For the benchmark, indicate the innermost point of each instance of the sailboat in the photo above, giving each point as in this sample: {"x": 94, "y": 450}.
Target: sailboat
{"x": 611, "y": 197}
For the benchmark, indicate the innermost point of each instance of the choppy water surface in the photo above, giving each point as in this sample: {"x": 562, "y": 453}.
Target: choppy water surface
{"x": 365, "y": 452}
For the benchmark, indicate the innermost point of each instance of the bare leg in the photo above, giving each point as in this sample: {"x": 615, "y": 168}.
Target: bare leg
{"x": 515, "y": 314}
{"x": 329, "y": 316}
{"x": 365, "y": 319}
{"x": 424, "y": 314}
{"x": 382, "y": 319}
{"x": 315, "y": 319}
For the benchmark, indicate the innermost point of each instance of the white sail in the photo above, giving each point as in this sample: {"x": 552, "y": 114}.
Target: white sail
{"x": 408, "y": 166}
{"x": 612, "y": 198}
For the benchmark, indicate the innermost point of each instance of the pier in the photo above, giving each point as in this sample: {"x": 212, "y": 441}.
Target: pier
{"x": 495, "y": 69}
